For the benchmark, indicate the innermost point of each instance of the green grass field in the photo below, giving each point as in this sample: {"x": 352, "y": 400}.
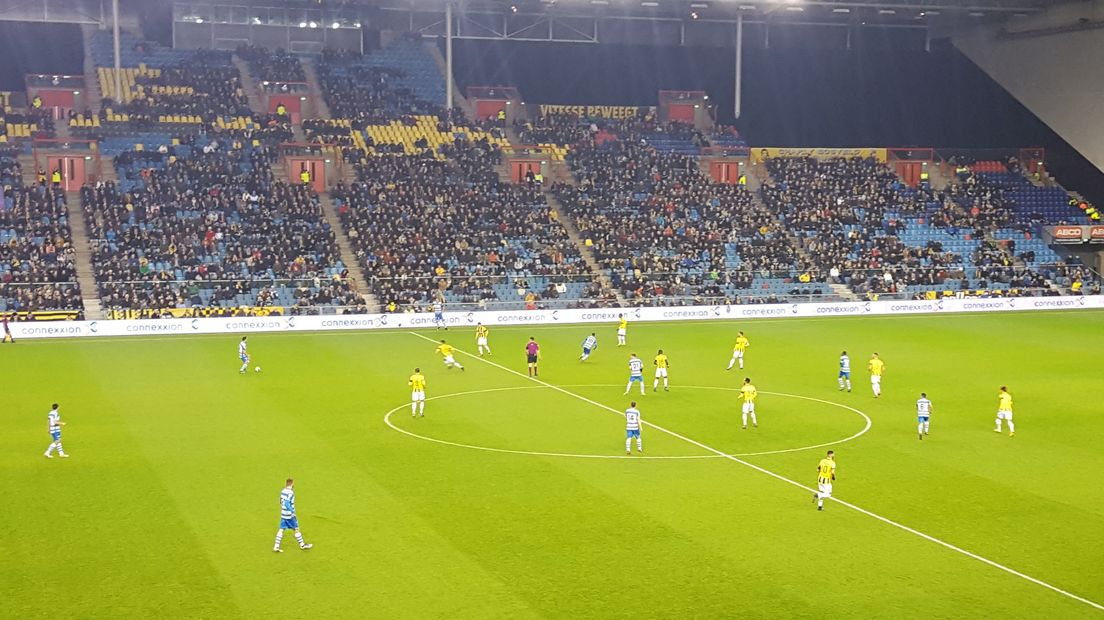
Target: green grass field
{"x": 168, "y": 505}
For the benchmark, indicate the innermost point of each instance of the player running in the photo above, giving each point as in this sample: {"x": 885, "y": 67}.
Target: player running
{"x": 243, "y": 355}
{"x": 844, "y": 371}
{"x": 446, "y": 350}
{"x": 662, "y": 364}
{"x": 589, "y": 345}
{"x": 532, "y": 355}
{"x": 439, "y": 315}
{"x": 738, "y": 351}
{"x": 826, "y": 474}
{"x": 877, "y": 368}
{"x": 1004, "y": 411}
{"x": 417, "y": 383}
{"x": 748, "y": 393}
{"x": 632, "y": 429}
{"x": 481, "y": 333}
{"x": 54, "y": 419}
{"x": 636, "y": 373}
{"x": 622, "y": 329}
{"x": 288, "y": 520}
{"x": 923, "y": 413}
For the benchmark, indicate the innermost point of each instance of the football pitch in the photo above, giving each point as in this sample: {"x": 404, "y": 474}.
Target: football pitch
{"x": 514, "y": 498}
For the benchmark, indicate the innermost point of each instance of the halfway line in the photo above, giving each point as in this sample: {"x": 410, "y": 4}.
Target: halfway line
{"x": 885, "y": 520}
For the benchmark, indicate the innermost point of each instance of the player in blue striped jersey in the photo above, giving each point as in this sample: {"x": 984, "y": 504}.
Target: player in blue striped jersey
{"x": 923, "y": 413}
{"x": 54, "y": 419}
{"x": 845, "y": 371}
{"x": 589, "y": 345}
{"x": 243, "y": 355}
{"x": 288, "y": 520}
{"x": 632, "y": 428}
{"x": 636, "y": 373}
{"x": 439, "y": 315}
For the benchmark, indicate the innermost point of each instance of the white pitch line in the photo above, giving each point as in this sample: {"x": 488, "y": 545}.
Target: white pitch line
{"x": 386, "y": 420}
{"x": 886, "y": 520}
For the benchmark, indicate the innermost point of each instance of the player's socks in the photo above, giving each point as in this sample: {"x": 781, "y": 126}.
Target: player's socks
{"x": 741, "y": 363}
{"x": 50, "y": 450}
{"x": 1011, "y": 431}
{"x": 666, "y": 386}
{"x": 754, "y": 422}
{"x": 413, "y": 409}
{"x": 744, "y": 417}
{"x": 48, "y": 455}
{"x": 840, "y": 381}
{"x": 279, "y": 539}
{"x": 302, "y": 543}
{"x": 998, "y": 428}
{"x": 927, "y": 425}
{"x": 421, "y": 408}
{"x": 731, "y": 363}
{"x": 848, "y": 385}
{"x": 628, "y": 446}
{"x": 639, "y": 444}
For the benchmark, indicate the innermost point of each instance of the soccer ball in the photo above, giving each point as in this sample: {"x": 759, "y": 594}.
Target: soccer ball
{"x": 257, "y": 369}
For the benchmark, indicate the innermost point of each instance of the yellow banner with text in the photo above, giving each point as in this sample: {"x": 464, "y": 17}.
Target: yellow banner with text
{"x": 761, "y": 153}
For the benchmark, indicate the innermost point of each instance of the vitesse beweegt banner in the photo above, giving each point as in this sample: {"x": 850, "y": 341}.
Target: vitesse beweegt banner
{"x": 596, "y": 111}
{"x": 760, "y": 153}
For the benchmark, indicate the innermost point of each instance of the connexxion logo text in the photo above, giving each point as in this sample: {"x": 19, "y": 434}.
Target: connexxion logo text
{"x": 45, "y": 330}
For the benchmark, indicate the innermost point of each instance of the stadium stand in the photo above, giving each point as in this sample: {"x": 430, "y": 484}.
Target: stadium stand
{"x": 276, "y": 70}
{"x": 668, "y": 234}
{"x": 198, "y": 231}
{"x": 37, "y": 271}
{"x": 424, "y": 225}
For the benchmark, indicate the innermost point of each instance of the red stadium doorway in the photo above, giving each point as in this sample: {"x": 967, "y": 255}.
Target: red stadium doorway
{"x": 71, "y": 168}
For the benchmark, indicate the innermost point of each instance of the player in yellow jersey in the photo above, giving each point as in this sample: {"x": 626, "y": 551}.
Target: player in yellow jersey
{"x": 417, "y": 393}
{"x": 662, "y": 364}
{"x": 481, "y": 333}
{"x": 738, "y": 351}
{"x": 622, "y": 329}
{"x": 446, "y": 352}
{"x": 748, "y": 394}
{"x": 1004, "y": 411}
{"x": 826, "y": 474}
{"x": 877, "y": 368}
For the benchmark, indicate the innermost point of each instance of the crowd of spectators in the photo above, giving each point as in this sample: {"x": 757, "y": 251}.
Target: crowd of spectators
{"x": 197, "y": 87}
{"x": 211, "y": 229}
{"x": 662, "y": 228}
{"x": 572, "y": 129}
{"x": 276, "y": 70}
{"x": 367, "y": 95}
{"x": 424, "y": 227}
{"x": 37, "y": 258}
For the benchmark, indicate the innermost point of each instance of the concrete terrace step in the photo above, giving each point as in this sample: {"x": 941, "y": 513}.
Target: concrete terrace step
{"x": 86, "y": 277}
{"x": 348, "y": 254}
{"x": 588, "y": 255}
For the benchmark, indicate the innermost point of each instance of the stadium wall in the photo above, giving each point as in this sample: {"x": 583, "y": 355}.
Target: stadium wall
{"x": 361, "y": 322}
{"x": 1052, "y": 64}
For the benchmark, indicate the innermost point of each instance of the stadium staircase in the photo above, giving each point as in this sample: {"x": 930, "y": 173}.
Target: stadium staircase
{"x": 86, "y": 277}
{"x": 348, "y": 255}
{"x": 250, "y": 86}
{"x": 586, "y": 252}
{"x": 843, "y": 292}
{"x": 458, "y": 98}
{"x": 314, "y": 87}
{"x": 91, "y": 80}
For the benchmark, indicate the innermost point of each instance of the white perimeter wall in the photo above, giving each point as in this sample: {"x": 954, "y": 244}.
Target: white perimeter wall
{"x": 183, "y": 327}
{"x": 1059, "y": 77}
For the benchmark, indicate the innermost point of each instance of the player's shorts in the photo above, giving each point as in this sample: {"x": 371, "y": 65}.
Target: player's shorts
{"x": 450, "y": 359}
{"x": 737, "y": 354}
{"x": 1004, "y": 415}
{"x": 586, "y": 351}
{"x": 481, "y": 341}
{"x": 55, "y": 435}
{"x": 417, "y": 396}
{"x": 620, "y": 331}
{"x": 437, "y": 316}
{"x": 875, "y": 379}
{"x": 244, "y": 358}
{"x": 635, "y": 378}
{"x": 825, "y": 488}
{"x": 845, "y": 374}
{"x": 629, "y": 434}
{"x": 661, "y": 373}
{"x": 289, "y": 524}
{"x": 748, "y": 408}
{"x": 923, "y": 419}
{"x": 532, "y": 359}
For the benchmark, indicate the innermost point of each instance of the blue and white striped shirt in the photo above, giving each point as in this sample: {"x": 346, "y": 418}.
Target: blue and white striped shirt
{"x": 241, "y": 350}
{"x": 845, "y": 363}
{"x": 287, "y": 504}
{"x": 590, "y": 342}
{"x": 632, "y": 419}
{"x": 923, "y": 407}
{"x": 55, "y": 421}
{"x": 636, "y": 367}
